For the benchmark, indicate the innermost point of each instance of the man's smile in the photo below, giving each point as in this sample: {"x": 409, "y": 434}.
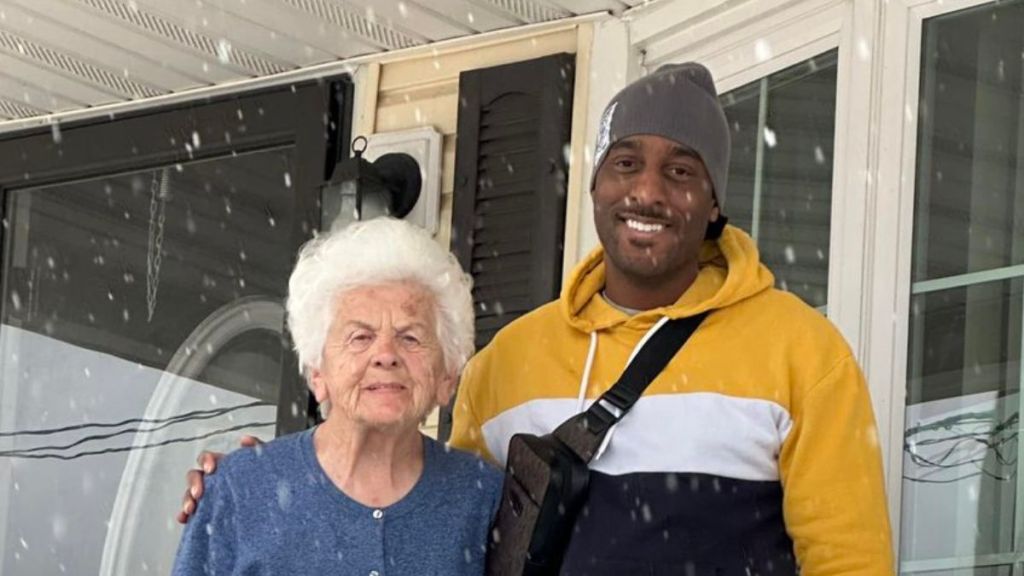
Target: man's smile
{"x": 642, "y": 227}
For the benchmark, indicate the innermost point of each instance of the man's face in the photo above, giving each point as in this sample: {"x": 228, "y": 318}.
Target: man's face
{"x": 652, "y": 204}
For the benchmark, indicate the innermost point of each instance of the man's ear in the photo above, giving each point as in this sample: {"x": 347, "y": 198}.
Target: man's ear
{"x": 716, "y": 213}
{"x": 716, "y": 223}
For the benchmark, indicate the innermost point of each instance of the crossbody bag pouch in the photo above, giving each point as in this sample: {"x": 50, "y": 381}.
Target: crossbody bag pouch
{"x": 546, "y": 477}
{"x": 545, "y": 486}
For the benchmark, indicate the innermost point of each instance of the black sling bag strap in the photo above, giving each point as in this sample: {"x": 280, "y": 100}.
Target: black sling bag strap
{"x": 546, "y": 477}
{"x": 585, "y": 432}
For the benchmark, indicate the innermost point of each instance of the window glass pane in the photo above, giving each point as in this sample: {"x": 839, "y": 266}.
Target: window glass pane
{"x": 961, "y": 472}
{"x": 970, "y": 172}
{"x": 780, "y": 174}
{"x": 963, "y": 401}
{"x": 142, "y": 319}
{"x": 743, "y": 110}
{"x": 965, "y": 341}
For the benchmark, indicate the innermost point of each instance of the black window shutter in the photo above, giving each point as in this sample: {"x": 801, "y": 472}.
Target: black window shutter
{"x": 508, "y": 215}
{"x": 508, "y": 212}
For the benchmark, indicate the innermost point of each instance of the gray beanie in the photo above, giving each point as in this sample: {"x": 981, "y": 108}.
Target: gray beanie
{"x": 678, "y": 102}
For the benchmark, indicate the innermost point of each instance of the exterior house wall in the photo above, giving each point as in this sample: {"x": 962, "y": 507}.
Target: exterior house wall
{"x": 422, "y": 90}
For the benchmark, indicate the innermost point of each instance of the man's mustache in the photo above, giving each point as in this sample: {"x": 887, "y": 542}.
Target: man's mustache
{"x": 634, "y": 208}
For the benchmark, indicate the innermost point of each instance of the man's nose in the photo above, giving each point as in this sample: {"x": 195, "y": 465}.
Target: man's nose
{"x": 649, "y": 187}
{"x": 385, "y": 352}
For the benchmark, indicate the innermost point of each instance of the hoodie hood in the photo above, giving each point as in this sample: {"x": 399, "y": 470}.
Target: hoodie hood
{"x": 730, "y": 271}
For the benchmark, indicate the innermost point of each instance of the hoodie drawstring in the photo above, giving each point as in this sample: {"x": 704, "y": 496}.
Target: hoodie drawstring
{"x": 585, "y": 380}
{"x": 581, "y": 400}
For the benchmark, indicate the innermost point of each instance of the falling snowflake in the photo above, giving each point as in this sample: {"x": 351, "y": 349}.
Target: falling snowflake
{"x": 762, "y": 50}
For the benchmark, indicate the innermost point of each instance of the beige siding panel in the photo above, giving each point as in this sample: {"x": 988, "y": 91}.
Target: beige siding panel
{"x": 444, "y": 231}
{"x": 424, "y": 91}
{"x": 448, "y": 164}
{"x": 440, "y": 111}
{"x": 367, "y": 81}
{"x": 419, "y": 92}
{"x": 432, "y": 68}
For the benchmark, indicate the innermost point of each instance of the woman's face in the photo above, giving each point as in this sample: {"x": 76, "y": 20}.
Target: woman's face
{"x": 382, "y": 362}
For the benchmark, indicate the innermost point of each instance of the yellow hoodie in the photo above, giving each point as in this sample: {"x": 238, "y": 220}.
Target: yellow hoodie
{"x": 757, "y": 440}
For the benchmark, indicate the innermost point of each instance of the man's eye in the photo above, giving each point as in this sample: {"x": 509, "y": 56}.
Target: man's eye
{"x": 625, "y": 163}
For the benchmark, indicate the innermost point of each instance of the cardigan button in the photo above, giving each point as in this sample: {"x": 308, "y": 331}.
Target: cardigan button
{"x": 378, "y": 514}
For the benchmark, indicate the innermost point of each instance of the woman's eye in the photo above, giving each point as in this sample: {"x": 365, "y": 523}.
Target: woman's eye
{"x": 360, "y": 337}
{"x": 410, "y": 339}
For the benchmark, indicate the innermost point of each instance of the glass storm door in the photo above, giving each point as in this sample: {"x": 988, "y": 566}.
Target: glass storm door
{"x": 144, "y": 265}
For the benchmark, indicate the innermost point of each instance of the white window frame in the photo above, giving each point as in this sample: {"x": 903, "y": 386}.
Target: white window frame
{"x": 891, "y": 257}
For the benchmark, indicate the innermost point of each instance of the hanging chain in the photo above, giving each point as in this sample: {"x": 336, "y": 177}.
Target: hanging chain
{"x": 158, "y": 192}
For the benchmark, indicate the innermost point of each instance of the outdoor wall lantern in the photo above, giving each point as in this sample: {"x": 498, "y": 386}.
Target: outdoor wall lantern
{"x": 361, "y": 190}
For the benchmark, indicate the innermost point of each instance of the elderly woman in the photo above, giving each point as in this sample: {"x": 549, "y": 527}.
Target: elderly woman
{"x": 382, "y": 321}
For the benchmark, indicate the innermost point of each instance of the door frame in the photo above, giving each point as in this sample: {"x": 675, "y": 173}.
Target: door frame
{"x": 892, "y": 252}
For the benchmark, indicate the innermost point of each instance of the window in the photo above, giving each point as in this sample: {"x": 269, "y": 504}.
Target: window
{"x": 780, "y": 174}
{"x": 962, "y": 506}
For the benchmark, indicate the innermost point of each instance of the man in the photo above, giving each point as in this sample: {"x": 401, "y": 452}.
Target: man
{"x": 757, "y": 440}
{"x": 755, "y": 450}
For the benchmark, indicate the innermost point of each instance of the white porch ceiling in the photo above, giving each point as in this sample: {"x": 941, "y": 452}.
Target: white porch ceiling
{"x": 68, "y": 55}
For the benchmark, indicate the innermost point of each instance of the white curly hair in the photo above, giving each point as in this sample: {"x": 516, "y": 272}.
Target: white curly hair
{"x": 374, "y": 252}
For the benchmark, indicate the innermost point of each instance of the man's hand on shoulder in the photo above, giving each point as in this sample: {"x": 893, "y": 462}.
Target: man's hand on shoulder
{"x": 207, "y": 462}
